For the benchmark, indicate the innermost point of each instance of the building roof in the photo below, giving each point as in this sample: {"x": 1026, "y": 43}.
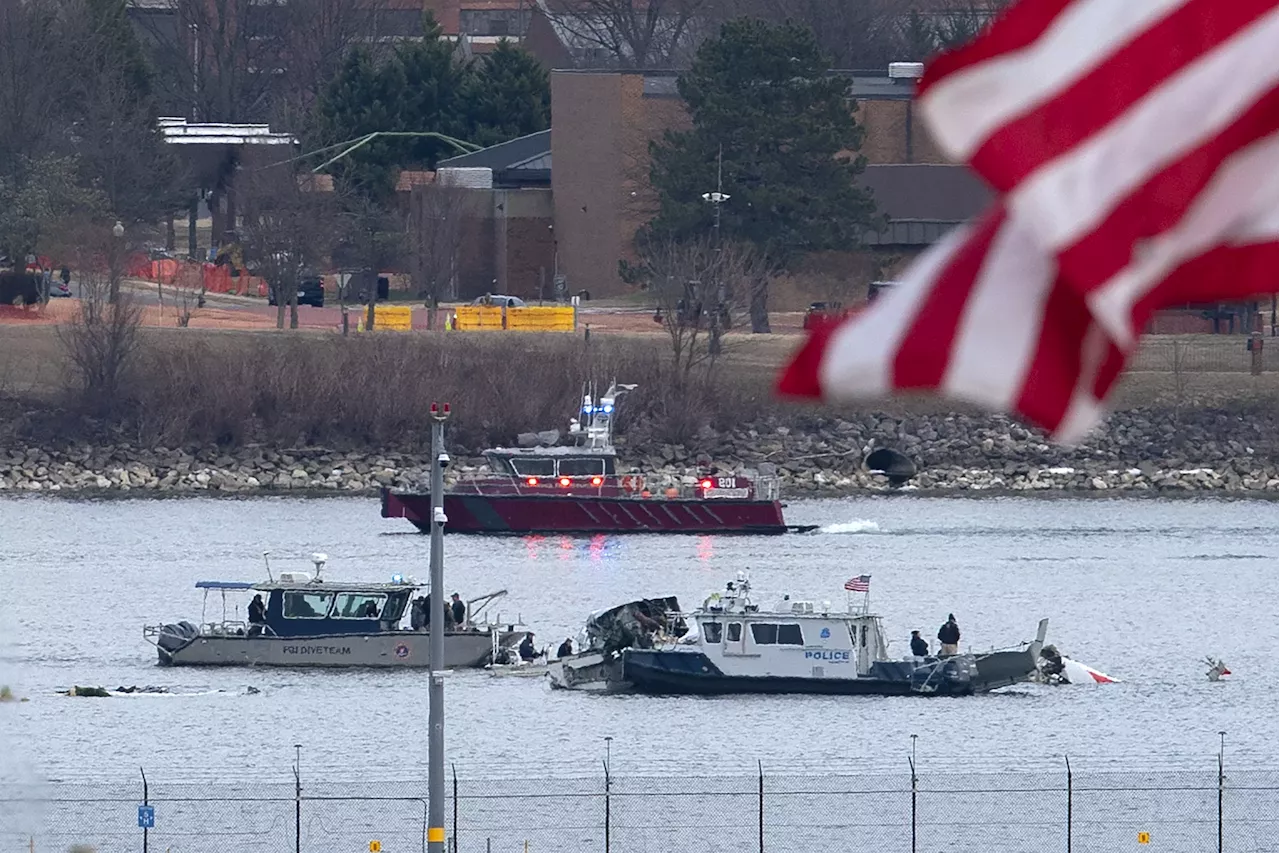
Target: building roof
{"x": 923, "y": 200}
{"x": 523, "y": 161}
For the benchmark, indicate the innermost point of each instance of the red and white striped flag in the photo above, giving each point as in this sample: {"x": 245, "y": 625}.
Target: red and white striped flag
{"x": 1133, "y": 144}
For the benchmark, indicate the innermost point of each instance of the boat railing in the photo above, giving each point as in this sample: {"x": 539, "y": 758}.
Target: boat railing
{"x": 633, "y": 486}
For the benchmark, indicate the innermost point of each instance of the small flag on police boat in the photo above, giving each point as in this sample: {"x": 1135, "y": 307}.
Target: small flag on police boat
{"x": 862, "y": 583}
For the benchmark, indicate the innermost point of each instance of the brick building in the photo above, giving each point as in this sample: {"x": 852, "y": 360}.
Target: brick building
{"x": 507, "y": 242}
{"x": 601, "y": 126}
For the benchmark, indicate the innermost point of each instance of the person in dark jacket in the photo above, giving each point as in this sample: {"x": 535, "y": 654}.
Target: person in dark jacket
{"x": 458, "y": 610}
{"x": 527, "y": 651}
{"x": 919, "y": 645}
{"x": 949, "y": 637}
{"x": 257, "y": 616}
{"x": 566, "y": 649}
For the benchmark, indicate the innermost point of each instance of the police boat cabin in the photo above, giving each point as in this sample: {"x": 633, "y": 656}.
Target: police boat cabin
{"x": 802, "y": 647}
{"x": 300, "y": 620}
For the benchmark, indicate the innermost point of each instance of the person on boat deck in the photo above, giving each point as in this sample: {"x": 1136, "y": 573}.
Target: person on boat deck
{"x": 370, "y": 610}
{"x": 257, "y": 616}
{"x": 417, "y": 614}
{"x": 949, "y": 637}
{"x": 459, "y": 610}
{"x": 527, "y": 651}
{"x": 426, "y": 612}
{"x": 566, "y": 648}
{"x": 919, "y": 645}
{"x": 257, "y": 611}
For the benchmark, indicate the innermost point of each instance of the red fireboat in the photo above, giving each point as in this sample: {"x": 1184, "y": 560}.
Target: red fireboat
{"x": 577, "y": 488}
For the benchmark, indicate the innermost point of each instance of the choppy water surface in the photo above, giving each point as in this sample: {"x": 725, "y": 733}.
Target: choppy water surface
{"x": 1141, "y": 589}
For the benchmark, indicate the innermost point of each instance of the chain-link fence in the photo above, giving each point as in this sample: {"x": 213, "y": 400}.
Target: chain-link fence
{"x": 1205, "y": 354}
{"x": 1172, "y": 811}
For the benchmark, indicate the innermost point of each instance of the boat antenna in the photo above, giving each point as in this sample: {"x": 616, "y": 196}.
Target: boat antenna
{"x": 267, "y": 561}
{"x": 319, "y": 560}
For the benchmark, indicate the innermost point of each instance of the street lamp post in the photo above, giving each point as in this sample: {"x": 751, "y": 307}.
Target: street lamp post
{"x": 435, "y": 709}
{"x": 117, "y": 237}
{"x": 717, "y": 198}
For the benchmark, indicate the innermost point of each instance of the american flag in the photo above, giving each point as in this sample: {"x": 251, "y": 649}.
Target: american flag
{"x": 1134, "y": 147}
{"x": 862, "y": 583}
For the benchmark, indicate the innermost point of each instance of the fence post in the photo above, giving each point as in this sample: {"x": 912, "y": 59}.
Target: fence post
{"x": 760, "y": 777}
{"x": 454, "y": 835}
{"x": 146, "y": 801}
{"x": 1222, "y": 782}
{"x": 912, "y": 762}
{"x": 297, "y": 798}
{"x": 607, "y": 783}
{"x": 1067, "y": 759}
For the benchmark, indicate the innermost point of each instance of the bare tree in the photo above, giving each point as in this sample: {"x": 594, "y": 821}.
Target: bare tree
{"x": 700, "y": 290}
{"x": 29, "y": 49}
{"x": 436, "y": 215}
{"x": 373, "y": 238}
{"x": 101, "y": 342}
{"x": 288, "y": 228}
{"x": 628, "y": 33}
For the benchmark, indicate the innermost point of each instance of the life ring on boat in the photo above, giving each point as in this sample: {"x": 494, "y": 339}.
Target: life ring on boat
{"x": 633, "y": 483}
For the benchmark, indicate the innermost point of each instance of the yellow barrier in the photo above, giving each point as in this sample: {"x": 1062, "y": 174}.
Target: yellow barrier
{"x": 394, "y": 318}
{"x": 486, "y": 318}
{"x": 479, "y": 318}
{"x": 552, "y": 318}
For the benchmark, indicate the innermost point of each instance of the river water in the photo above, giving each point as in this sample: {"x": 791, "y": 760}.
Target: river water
{"x": 1142, "y": 589}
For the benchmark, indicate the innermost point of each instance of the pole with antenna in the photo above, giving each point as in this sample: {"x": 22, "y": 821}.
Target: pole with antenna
{"x": 435, "y": 707}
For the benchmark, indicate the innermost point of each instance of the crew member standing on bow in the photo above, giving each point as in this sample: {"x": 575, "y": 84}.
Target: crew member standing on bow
{"x": 949, "y": 637}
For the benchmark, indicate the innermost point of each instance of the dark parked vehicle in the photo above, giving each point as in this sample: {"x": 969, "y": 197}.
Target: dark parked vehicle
{"x": 820, "y": 313}
{"x": 310, "y": 292}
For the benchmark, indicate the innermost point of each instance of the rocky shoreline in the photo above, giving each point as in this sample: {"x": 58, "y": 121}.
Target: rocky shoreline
{"x": 1204, "y": 452}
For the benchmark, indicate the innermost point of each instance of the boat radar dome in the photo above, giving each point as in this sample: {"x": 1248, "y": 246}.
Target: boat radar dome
{"x": 319, "y": 560}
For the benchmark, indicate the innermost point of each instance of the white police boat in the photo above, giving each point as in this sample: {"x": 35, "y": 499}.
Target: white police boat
{"x": 310, "y": 622}
{"x": 804, "y": 647}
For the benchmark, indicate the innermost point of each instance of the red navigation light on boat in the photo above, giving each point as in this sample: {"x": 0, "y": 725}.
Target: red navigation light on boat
{"x": 564, "y": 481}
{"x": 706, "y": 484}
{"x": 532, "y": 481}
{"x": 595, "y": 481}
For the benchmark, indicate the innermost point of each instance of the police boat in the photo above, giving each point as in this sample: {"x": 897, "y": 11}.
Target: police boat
{"x": 735, "y": 646}
{"x": 307, "y": 621}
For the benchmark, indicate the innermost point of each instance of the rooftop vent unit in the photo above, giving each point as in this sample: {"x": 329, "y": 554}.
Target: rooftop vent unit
{"x": 906, "y": 70}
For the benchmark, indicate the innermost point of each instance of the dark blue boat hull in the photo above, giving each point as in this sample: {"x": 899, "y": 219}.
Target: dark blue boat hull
{"x": 661, "y": 672}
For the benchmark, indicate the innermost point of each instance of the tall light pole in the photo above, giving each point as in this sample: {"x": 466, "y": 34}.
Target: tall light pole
{"x": 117, "y": 237}
{"x": 717, "y": 198}
{"x": 435, "y": 718}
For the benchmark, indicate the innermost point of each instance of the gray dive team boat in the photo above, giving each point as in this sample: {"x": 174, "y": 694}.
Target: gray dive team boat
{"x": 732, "y": 645}
{"x": 310, "y": 622}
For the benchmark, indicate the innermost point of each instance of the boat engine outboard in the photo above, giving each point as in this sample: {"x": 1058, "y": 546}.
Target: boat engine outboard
{"x": 893, "y": 464}
{"x": 175, "y": 636}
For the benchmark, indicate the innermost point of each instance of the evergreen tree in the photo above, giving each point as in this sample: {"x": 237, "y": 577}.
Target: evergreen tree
{"x": 761, "y": 98}
{"x": 363, "y": 98}
{"x": 433, "y": 96}
{"x": 111, "y": 114}
{"x": 509, "y": 95}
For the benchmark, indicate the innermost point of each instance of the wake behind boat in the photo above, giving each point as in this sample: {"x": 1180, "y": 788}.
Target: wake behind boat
{"x": 793, "y": 647}
{"x": 309, "y": 622}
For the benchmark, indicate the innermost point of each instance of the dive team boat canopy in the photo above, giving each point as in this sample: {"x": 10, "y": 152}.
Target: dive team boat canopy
{"x": 578, "y": 488}
{"x": 735, "y": 646}
{"x": 307, "y": 621}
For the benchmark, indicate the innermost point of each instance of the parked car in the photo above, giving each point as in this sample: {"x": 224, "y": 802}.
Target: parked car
{"x": 499, "y": 300}
{"x": 821, "y": 313}
{"x": 310, "y": 292}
